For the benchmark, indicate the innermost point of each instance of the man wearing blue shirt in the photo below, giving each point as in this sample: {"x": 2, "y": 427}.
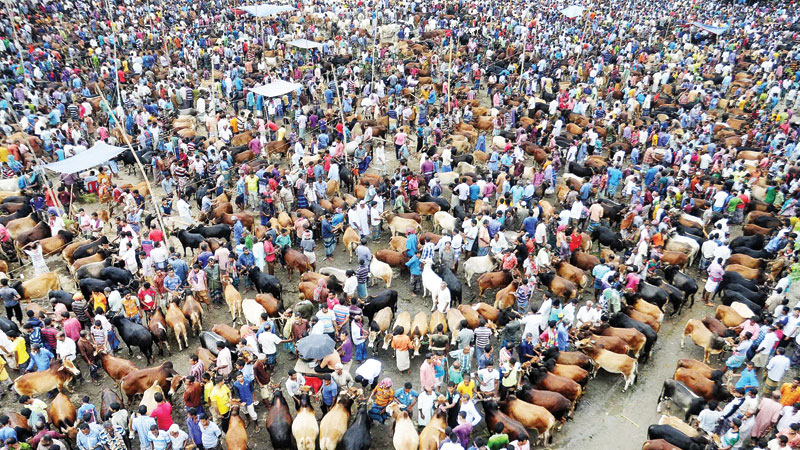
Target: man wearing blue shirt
{"x": 329, "y": 392}
{"x": 6, "y": 431}
{"x": 586, "y": 189}
{"x": 172, "y": 282}
{"x": 40, "y": 359}
{"x": 245, "y": 394}
{"x": 89, "y": 436}
{"x": 141, "y": 424}
{"x": 210, "y": 433}
{"x": 179, "y": 266}
{"x": 407, "y": 397}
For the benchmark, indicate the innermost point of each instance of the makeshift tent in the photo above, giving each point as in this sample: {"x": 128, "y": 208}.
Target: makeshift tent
{"x": 265, "y": 9}
{"x": 98, "y": 154}
{"x": 573, "y": 11}
{"x": 276, "y": 88}
{"x": 304, "y": 43}
{"x": 711, "y": 29}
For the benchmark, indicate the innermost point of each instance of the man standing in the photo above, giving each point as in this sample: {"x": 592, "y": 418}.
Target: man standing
{"x": 328, "y": 392}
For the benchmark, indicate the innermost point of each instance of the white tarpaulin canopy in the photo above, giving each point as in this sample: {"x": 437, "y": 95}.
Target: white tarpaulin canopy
{"x": 265, "y": 9}
{"x": 276, "y": 88}
{"x": 304, "y": 43}
{"x": 98, "y": 154}
{"x": 573, "y": 11}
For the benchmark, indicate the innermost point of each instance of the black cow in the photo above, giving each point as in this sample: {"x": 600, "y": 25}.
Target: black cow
{"x": 117, "y": 275}
{"x": 379, "y": 301}
{"x": 605, "y": 236}
{"x": 357, "y": 436}
{"x": 735, "y": 278}
{"x": 209, "y": 339}
{"x": 683, "y": 282}
{"x": 452, "y": 281}
{"x": 459, "y": 213}
{"x": 89, "y": 285}
{"x": 621, "y": 320}
{"x": 443, "y": 204}
{"x": 265, "y": 282}
{"x": 689, "y": 402}
{"x": 767, "y": 222}
{"x": 92, "y": 270}
{"x": 580, "y": 170}
{"x": 754, "y": 242}
{"x": 612, "y": 210}
{"x": 190, "y": 240}
{"x": 89, "y": 249}
{"x": 136, "y": 335}
{"x": 656, "y": 295}
{"x": 728, "y": 297}
{"x": 279, "y": 422}
{"x": 758, "y": 298}
{"x": 8, "y": 325}
{"x": 676, "y": 437}
{"x": 753, "y": 253}
{"x": 62, "y": 297}
{"x": 219, "y": 231}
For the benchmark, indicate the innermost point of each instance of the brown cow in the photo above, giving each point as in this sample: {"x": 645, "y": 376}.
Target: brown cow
{"x": 427, "y": 208}
{"x": 747, "y": 272}
{"x": 62, "y": 413}
{"x": 658, "y": 444}
{"x": 505, "y": 298}
{"x": 531, "y": 416}
{"x": 57, "y": 376}
{"x": 612, "y": 343}
{"x": 295, "y": 261}
{"x": 633, "y": 337}
{"x": 698, "y": 367}
{"x": 38, "y": 286}
{"x": 571, "y": 273}
{"x": 702, "y": 336}
{"x": 610, "y": 361}
{"x": 716, "y": 326}
{"x": 493, "y": 280}
{"x": 271, "y": 305}
{"x": 392, "y": 258}
{"x": 115, "y": 367}
{"x": 230, "y": 219}
{"x": 747, "y": 261}
{"x": 642, "y": 317}
{"x": 97, "y": 257}
{"x": 193, "y": 311}
{"x": 236, "y": 436}
{"x": 411, "y": 215}
{"x": 728, "y": 316}
{"x": 585, "y": 260}
{"x": 306, "y": 290}
{"x": 177, "y": 321}
{"x": 227, "y": 332}
{"x": 674, "y": 258}
{"x": 542, "y": 379}
{"x": 140, "y": 380}
{"x": 54, "y": 244}
{"x": 648, "y": 308}
{"x": 700, "y": 385}
{"x": 558, "y": 285}
{"x": 472, "y": 317}
{"x": 70, "y": 249}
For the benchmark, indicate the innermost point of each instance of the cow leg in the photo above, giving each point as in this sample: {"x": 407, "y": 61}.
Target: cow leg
{"x": 683, "y": 336}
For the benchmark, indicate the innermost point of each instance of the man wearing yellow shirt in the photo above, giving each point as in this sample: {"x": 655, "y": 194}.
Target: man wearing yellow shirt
{"x": 220, "y": 400}
{"x": 18, "y": 349}
{"x": 251, "y": 182}
{"x": 467, "y": 386}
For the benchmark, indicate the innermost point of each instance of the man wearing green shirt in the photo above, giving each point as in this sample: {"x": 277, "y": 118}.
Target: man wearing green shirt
{"x": 499, "y": 440}
{"x": 281, "y": 242}
{"x": 733, "y": 203}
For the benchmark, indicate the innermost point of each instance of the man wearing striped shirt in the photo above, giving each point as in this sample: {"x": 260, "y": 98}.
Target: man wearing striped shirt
{"x": 482, "y": 334}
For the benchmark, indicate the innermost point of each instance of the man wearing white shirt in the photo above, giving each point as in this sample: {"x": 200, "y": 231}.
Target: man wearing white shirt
{"x": 776, "y": 368}
{"x": 585, "y": 314}
{"x": 293, "y": 385}
{"x": 369, "y": 371}
{"x": 65, "y": 347}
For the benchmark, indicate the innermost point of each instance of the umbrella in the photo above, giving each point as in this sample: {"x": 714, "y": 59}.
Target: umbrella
{"x": 315, "y": 346}
{"x": 573, "y": 11}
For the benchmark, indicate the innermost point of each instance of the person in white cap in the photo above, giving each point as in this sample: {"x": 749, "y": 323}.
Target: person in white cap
{"x": 178, "y": 437}
{"x": 342, "y": 379}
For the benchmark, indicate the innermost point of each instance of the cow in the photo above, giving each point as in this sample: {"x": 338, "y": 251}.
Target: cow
{"x": 686, "y": 283}
{"x": 478, "y": 265}
{"x": 115, "y": 367}
{"x": 62, "y": 413}
{"x": 510, "y": 426}
{"x": 678, "y": 424}
{"x": 531, "y": 416}
{"x": 148, "y": 397}
{"x": 57, "y": 376}
{"x": 382, "y": 271}
{"x": 279, "y": 421}
{"x": 558, "y": 285}
{"x": 392, "y": 258}
{"x": 557, "y": 404}
{"x": 620, "y": 320}
{"x": 729, "y": 316}
{"x": 233, "y": 298}
{"x": 379, "y": 324}
{"x": 134, "y": 334}
{"x": 264, "y": 282}
{"x": 305, "y": 428}
{"x": 193, "y": 311}
{"x": 675, "y": 391}
{"x": 493, "y": 280}
{"x": 357, "y": 436}
{"x": 377, "y": 302}
{"x": 675, "y": 437}
{"x": 610, "y": 361}
{"x": 703, "y": 337}
{"x": 38, "y": 286}
{"x": 177, "y": 322}
{"x": 631, "y": 336}
{"x": 398, "y": 224}
{"x": 702, "y": 386}
{"x": 604, "y": 236}
{"x": 658, "y": 444}
{"x": 138, "y": 381}
{"x": 542, "y": 379}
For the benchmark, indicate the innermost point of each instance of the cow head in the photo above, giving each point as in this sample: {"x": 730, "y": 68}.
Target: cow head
{"x": 175, "y": 383}
{"x": 68, "y": 367}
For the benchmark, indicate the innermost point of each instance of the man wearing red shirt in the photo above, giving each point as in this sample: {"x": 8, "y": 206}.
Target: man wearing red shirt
{"x": 162, "y": 413}
{"x": 156, "y": 235}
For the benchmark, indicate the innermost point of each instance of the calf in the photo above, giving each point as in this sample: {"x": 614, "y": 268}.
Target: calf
{"x": 610, "y": 361}
{"x": 232, "y": 297}
{"x": 702, "y": 336}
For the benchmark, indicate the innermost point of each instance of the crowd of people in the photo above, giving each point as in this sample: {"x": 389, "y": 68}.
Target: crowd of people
{"x": 660, "y": 108}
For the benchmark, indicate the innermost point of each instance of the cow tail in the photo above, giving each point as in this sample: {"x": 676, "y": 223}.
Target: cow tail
{"x": 660, "y": 397}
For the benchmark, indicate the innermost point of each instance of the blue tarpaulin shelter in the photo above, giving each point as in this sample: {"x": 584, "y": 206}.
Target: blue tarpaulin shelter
{"x": 711, "y": 29}
{"x": 265, "y": 9}
{"x": 98, "y": 154}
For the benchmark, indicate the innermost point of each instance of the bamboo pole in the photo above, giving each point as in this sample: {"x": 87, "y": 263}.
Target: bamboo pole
{"x": 450, "y": 70}
{"x": 114, "y": 47}
{"x": 341, "y": 113}
{"x": 16, "y": 41}
{"x": 138, "y": 162}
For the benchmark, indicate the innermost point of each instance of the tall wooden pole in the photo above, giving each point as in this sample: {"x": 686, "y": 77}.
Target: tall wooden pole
{"x": 341, "y": 113}
{"x": 138, "y": 162}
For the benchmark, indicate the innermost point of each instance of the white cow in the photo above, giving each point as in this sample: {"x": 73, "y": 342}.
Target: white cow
{"x": 379, "y": 269}
{"x": 444, "y": 221}
{"x": 430, "y": 281}
{"x": 339, "y": 274}
{"x": 252, "y": 311}
{"x": 478, "y": 265}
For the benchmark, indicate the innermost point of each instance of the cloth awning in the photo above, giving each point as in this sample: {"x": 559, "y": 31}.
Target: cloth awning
{"x": 98, "y": 154}
{"x": 573, "y": 11}
{"x": 265, "y": 9}
{"x": 276, "y": 88}
{"x": 304, "y": 43}
{"x": 710, "y": 28}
